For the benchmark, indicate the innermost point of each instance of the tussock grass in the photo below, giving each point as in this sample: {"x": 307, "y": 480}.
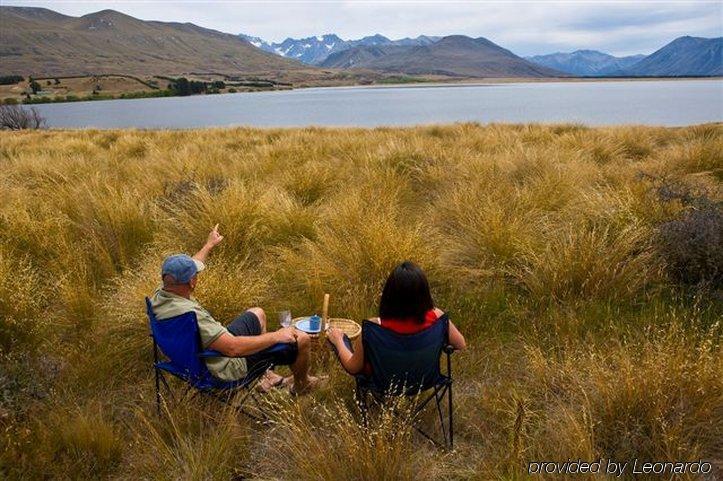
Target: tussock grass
{"x": 542, "y": 242}
{"x": 379, "y": 450}
{"x": 21, "y": 299}
{"x": 187, "y": 444}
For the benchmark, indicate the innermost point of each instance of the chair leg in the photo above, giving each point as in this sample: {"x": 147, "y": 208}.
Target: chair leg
{"x": 193, "y": 394}
{"x": 186, "y": 391}
{"x": 426, "y": 436}
{"x": 450, "y": 408}
{"x": 420, "y": 408}
{"x": 264, "y": 418}
{"x": 438, "y": 399}
{"x": 165, "y": 384}
{"x": 158, "y": 393}
{"x": 450, "y": 413}
{"x": 446, "y": 426}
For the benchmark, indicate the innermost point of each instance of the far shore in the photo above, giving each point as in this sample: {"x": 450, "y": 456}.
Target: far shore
{"x": 513, "y": 80}
{"x": 128, "y": 92}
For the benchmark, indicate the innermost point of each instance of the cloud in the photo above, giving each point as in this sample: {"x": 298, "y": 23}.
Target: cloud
{"x": 525, "y": 27}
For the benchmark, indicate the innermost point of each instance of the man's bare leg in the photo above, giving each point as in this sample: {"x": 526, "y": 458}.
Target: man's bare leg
{"x": 300, "y": 368}
{"x": 302, "y": 381}
{"x": 260, "y": 315}
{"x": 270, "y": 378}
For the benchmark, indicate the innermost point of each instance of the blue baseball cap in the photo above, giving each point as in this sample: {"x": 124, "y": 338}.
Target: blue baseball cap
{"x": 181, "y": 267}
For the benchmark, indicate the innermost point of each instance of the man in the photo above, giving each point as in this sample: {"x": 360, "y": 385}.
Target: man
{"x": 245, "y": 340}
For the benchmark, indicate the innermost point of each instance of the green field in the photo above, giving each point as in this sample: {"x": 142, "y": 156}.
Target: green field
{"x": 575, "y": 261}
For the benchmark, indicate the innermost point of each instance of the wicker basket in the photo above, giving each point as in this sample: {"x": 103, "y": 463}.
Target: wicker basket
{"x": 347, "y": 326}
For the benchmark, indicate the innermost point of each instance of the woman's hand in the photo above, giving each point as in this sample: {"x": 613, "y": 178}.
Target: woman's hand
{"x": 335, "y": 335}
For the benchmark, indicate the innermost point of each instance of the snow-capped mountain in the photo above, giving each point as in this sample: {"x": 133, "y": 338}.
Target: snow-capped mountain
{"x": 314, "y": 50}
{"x": 256, "y": 42}
{"x": 309, "y": 50}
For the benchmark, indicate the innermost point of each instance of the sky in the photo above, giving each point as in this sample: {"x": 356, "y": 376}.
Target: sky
{"x": 524, "y": 27}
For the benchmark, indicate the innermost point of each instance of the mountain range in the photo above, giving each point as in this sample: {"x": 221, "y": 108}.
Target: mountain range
{"x": 684, "y": 56}
{"x": 41, "y": 42}
{"x": 314, "y": 50}
{"x": 585, "y": 62}
{"x": 452, "y": 56}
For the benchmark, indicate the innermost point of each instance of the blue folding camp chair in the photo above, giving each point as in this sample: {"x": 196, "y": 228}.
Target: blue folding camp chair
{"x": 179, "y": 340}
{"x": 409, "y": 364}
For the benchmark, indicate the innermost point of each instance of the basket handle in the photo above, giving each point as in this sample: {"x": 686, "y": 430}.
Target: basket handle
{"x": 325, "y": 311}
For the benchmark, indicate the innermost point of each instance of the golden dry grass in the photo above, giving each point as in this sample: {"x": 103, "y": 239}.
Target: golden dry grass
{"x": 538, "y": 240}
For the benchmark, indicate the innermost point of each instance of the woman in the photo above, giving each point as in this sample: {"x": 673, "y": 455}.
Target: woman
{"x": 406, "y": 307}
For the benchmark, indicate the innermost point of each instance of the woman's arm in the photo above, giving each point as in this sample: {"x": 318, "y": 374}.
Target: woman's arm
{"x": 456, "y": 339}
{"x": 351, "y": 360}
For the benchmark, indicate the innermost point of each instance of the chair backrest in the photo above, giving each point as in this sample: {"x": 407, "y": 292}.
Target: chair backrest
{"x": 178, "y": 339}
{"x": 404, "y": 363}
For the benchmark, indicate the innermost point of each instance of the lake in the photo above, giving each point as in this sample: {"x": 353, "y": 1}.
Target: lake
{"x": 658, "y": 102}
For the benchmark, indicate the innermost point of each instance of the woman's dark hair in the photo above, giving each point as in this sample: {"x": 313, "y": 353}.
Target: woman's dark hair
{"x": 406, "y": 294}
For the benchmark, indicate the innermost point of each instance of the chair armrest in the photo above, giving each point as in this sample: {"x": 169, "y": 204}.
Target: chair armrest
{"x": 280, "y": 346}
{"x": 210, "y": 353}
{"x": 275, "y": 348}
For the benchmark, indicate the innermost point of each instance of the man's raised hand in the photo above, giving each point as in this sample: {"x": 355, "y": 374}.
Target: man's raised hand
{"x": 214, "y": 238}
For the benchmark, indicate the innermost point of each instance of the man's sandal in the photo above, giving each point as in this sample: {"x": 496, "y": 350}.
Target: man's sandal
{"x": 265, "y": 385}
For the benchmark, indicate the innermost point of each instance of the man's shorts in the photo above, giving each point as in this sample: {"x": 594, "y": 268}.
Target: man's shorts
{"x": 247, "y": 324}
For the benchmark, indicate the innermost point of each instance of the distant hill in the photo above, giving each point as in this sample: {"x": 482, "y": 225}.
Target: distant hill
{"x": 683, "y": 56}
{"x": 315, "y": 50}
{"x": 585, "y": 62}
{"x": 41, "y": 42}
{"x": 455, "y": 56}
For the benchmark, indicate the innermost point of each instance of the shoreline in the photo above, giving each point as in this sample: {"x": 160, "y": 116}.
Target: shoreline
{"x": 353, "y": 128}
{"x": 508, "y": 80}
{"x": 471, "y": 82}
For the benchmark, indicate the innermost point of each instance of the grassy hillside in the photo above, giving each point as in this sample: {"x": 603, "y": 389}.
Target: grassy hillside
{"x": 40, "y": 42}
{"x": 80, "y": 87}
{"x": 569, "y": 256}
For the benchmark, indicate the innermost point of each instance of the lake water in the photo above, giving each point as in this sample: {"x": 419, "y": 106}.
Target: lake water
{"x": 664, "y": 102}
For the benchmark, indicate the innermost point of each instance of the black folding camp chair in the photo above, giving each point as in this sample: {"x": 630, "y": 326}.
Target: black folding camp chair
{"x": 409, "y": 365}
